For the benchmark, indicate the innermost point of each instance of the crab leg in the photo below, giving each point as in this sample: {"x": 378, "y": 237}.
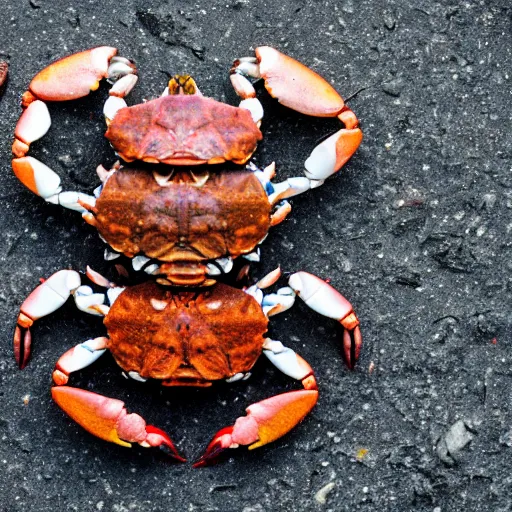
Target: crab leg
{"x": 78, "y": 358}
{"x": 108, "y": 419}
{"x": 320, "y": 297}
{"x": 324, "y": 299}
{"x": 301, "y": 89}
{"x": 66, "y": 79}
{"x": 272, "y": 418}
{"x": 45, "y": 299}
{"x": 45, "y": 183}
{"x": 51, "y": 295}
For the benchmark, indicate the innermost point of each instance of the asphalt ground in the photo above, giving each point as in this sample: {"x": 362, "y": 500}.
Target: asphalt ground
{"x": 415, "y": 231}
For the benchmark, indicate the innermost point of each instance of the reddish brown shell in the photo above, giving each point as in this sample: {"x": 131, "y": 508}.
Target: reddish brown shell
{"x": 227, "y": 215}
{"x": 185, "y": 338}
{"x": 184, "y": 130}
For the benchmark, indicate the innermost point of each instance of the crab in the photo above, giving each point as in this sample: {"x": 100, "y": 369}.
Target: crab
{"x": 182, "y": 218}
{"x": 185, "y": 337}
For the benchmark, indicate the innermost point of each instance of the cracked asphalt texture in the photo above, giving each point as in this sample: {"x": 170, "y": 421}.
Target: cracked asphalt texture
{"x": 415, "y": 231}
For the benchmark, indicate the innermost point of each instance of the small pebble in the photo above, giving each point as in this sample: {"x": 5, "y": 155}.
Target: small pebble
{"x": 321, "y": 495}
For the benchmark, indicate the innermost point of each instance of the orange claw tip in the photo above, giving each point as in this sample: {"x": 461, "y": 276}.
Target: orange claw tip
{"x": 74, "y": 76}
{"x": 157, "y": 437}
{"x": 95, "y": 413}
{"x": 220, "y": 442}
{"x": 296, "y": 86}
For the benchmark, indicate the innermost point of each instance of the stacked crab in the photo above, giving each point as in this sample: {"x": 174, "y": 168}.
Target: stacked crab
{"x": 183, "y": 223}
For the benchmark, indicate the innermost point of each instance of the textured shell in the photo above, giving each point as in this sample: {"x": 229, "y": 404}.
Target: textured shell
{"x": 184, "y": 130}
{"x": 196, "y": 337}
{"x": 227, "y": 215}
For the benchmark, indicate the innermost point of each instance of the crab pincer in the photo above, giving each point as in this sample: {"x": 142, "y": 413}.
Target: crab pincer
{"x": 66, "y": 79}
{"x": 324, "y": 299}
{"x": 265, "y": 422}
{"x": 108, "y": 419}
{"x": 301, "y": 89}
{"x": 45, "y": 299}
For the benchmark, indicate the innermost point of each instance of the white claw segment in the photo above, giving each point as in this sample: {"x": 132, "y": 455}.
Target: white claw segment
{"x": 212, "y": 270}
{"x": 286, "y": 360}
{"x": 226, "y": 264}
{"x": 33, "y": 124}
{"x": 322, "y": 162}
{"x": 78, "y": 358}
{"x": 113, "y": 293}
{"x": 235, "y": 378}
{"x": 51, "y": 295}
{"x": 220, "y": 266}
{"x": 71, "y": 200}
{"x": 254, "y": 106}
{"x": 152, "y": 269}
{"x": 320, "y": 296}
{"x": 242, "y": 86}
{"x": 332, "y": 154}
{"x": 110, "y": 255}
{"x": 138, "y": 262}
{"x": 123, "y": 86}
{"x": 289, "y": 188}
{"x": 136, "y": 376}
{"x": 275, "y": 303}
{"x": 87, "y": 301}
{"x": 36, "y": 176}
{"x": 111, "y": 107}
{"x": 254, "y": 256}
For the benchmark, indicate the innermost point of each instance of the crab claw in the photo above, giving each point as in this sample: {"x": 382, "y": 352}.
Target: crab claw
{"x": 108, "y": 419}
{"x": 45, "y": 299}
{"x": 222, "y": 440}
{"x": 22, "y": 341}
{"x": 301, "y": 89}
{"x": 296, "y": 86}
{"x": 324, "y": 299}
{"x": 71, "y": 77}
{"x": 265, "y": 422}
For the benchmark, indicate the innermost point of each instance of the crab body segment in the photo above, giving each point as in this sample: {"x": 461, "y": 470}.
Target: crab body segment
{"x": 184, "y": 129}
{"x": 183, "y": 225}
{"x": 184, "y": 337}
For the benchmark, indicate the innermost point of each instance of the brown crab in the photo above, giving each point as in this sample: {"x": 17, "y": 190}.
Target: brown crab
{"x": 189, "y": 338}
